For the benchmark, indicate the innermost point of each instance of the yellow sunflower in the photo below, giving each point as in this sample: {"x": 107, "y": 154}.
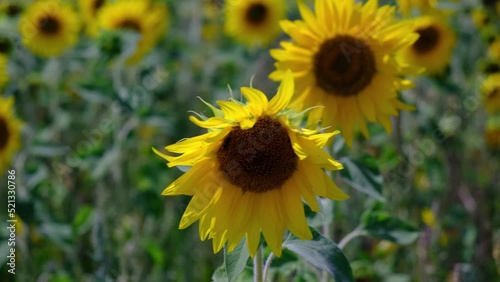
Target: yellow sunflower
{"x": 89, "y": 10}
{"x": 434, "y": 47}
{"x": 4, "y": 75}
{"x": 406, "y": 6}
{"x": 12, "y": 8}
{"x": 342, "y": 59}
{"x": 492, "y": 132}
{"x": 253, "y": 22}
{"x": 10, "y": 140}
{"x": 494, "y": 49}
{"x": 149, "y": 19}
{"x": 480, "y": 18}
{"x": 49, "y": 27}
{"x": 251, "y": 171}
{"x": 491, "y": 93}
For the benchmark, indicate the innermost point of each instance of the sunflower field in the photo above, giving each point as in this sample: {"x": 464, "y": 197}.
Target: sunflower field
{"x": 250, "y": 140}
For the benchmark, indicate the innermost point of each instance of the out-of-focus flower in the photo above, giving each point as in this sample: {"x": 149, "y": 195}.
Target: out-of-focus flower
{"x": 480, "y": 18}
{"x": 492, "y": 132}
{"x": 49, "y": 27}
{"x": 250, "y": 172}
{"x": 253, "y": 22}
{"x": 424, "y": 6}
{"x": 89, "y": 10}
{"x": 494, "y": 49}
{"x": 148, "y": 19}
{"x": 343, "y": 59}
{"x": 10, "y": 126}
{"x": 434, "y": 47}
{"x": 4, "y": 75}
{"x": 428, "y": 217}
{"x": 490, "y": 90}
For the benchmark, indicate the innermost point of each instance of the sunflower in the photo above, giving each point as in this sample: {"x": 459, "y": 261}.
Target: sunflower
{"x": 494, "y": 49}
{"x": 89, "y": 10}
{"x": 9, "y": 132}
{"x": 49, "y": 27}
{"x": 492, "y": 132}
{"x": 12, "y": 8}
{"x": 4, "y": 75}
{"x": 253, "y": 22}
{"x": 342, "y": 60}
{"x": 491, "y": 93}
{"x": 146, "y": 18}
{"x": 406, "y": 6}
{"x": 250, "y": 172}
{"x": 480, "y": 18}
{"x": 434, "y": 47}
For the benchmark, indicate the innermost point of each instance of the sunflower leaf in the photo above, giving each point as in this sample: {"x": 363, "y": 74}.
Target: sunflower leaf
{"x": 234, "y": 263}
{"x": 323, "y": 254}
{"x": 382, "y": 225}
{"x": 363, "y": 175}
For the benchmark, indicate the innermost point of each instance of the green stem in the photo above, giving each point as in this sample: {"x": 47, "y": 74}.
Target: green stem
{"x": 355, "y": 233}
{"x": 267, "y": 265}
{"x": 257, "y": 266}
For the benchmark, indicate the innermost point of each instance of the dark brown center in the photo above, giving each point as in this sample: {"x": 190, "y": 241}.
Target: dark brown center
{"x": 492, "y": 68}
{"x": 427, "y": 41}
{"x": 97, "y": 4}
{"x": 4, "y": 134}
{"x": 13, "y": 10}
{"x": 256, "y": 14}
{"x": 344, "y": 66}
{"x": 258, "y": 159}
{"x": 49, "y": 25}
{"x": 130, "y": 25}
{"x": 5, "y": 45}
{"x": 489, "y": 3}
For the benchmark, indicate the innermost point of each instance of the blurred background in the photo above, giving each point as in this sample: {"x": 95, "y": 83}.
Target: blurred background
{"x": 95, "y": 84}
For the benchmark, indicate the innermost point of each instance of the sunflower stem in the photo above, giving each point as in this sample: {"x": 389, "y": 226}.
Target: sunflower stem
{"x": 257, "y": 266}
{"x": 355, "y": 233}
{"x": 267, "y": 266}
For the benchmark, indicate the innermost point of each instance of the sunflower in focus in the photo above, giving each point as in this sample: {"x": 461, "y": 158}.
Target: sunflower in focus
{"x": 10, "y": 140}
{"x": 148, "y": 19}
{"x": 4, "y": 75}
{"x": 253, "y": 22}
{"x": 491, "y": 93}
{"x": 89, "y": 10}
{"x": 406, "y": 6}
{"x": 49, "y": 27}
{"x": 343, "y": 60}
{"x": 251, "y": 171}
{"x": 434, "y": 46}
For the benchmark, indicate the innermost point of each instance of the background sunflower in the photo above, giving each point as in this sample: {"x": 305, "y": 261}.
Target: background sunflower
{"x": 253, "y": 22}
{"x": 434, "y": 47}
{"x": 148, "y": 19}
{"x": 10, "y": 137}
{"x": 48, "y": 28}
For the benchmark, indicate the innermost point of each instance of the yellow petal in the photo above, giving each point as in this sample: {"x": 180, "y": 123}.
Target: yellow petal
{"x": 282, "y": 98}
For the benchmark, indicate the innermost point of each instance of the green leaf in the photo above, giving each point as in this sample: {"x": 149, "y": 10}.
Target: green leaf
{"x": 234, "y": 263}
{"x": 323, "y": 254}
{"x": 383, "y": 226}
{"x": 83, "y": 220}
{"x": 363, "y": 175}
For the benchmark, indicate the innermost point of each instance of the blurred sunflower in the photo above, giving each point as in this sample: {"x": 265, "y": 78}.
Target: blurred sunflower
{"x": 148, "y": 19}
{"x": 491, "y": 93}
{"x": 434, "y": 47}
{"x": 494, "y": 49}
{"x": 251, "y": 171}
{"x": 253, "y": 22}
{"x": 493, "y": 5}
{"x": 49, "y": 27}
{"x": 89, "y": 10}
{"x": 4, "y": 75}
{"x": 406, "y": 6}
{"x": 480, "y": 18}
{"x": 10, "y": 140}
{"x": 343, "y": 59}
{"x": 492, "y": 132}
{"x": 12, "y": 8}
